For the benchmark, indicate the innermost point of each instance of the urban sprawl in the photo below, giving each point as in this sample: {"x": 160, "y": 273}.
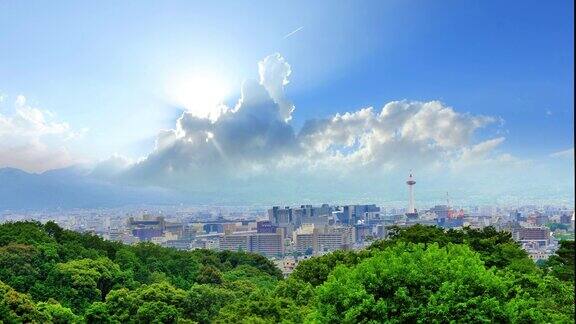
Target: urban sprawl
{"x": 290, "y": 234}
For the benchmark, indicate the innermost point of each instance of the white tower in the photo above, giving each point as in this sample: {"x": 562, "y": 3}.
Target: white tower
{"x": 410, "y": 182}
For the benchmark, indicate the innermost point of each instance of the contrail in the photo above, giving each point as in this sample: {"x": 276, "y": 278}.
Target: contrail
{"x": 294, "y": 32}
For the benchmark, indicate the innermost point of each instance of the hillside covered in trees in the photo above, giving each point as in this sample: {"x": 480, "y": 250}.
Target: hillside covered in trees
{"x": 421, "y": 274}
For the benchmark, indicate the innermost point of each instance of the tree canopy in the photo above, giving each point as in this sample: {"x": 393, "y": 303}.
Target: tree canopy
{"x": 419, "y": 274}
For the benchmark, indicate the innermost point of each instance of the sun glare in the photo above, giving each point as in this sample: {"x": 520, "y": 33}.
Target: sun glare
{"x": 201, "y": 94}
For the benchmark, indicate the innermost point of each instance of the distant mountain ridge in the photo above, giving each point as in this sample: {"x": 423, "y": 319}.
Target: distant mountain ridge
{"x": 72, "y": 187}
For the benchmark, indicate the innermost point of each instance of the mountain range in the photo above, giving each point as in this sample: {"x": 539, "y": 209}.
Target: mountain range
{"x": 72, "y": 187}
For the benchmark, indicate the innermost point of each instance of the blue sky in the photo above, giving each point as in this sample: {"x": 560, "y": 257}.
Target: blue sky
{"x": 106, "y": 68}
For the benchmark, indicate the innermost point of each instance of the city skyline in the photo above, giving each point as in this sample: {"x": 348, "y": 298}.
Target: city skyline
{"x": 326, "y": 104}
{"x": 292, "y": 161}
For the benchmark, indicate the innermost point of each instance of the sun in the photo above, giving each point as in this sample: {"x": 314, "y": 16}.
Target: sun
{"x": 202, "y": 94}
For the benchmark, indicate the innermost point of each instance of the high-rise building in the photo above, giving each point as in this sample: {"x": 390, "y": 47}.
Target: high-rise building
{"x": 310, "y": 238}
{"x": 351, "y": 214}
{"x": 304, "y": 239}
{"x": 265, "y": 227}
{"x": 268, "y": 244}
{"x": 304, "y": 242}
{"x": 280, "y": 216}
{"x": 147, "y": 228}
{"x": 534, "y": 234}
{"x": 363, "y": 231}
{"x": 233, "y": 242}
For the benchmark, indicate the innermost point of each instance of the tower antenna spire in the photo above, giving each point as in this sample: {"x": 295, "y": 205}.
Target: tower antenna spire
{"x": 411, "y": 182}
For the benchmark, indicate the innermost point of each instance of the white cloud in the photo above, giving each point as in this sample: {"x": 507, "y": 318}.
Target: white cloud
{"x": 255, "y": 139}
{"x": 32, "y": 140}
{"x": 403, "y": 133}
{"x": 568, "y": 153}
{"x": 480, "y": 151}
{"x": 274, "y": 72}
{"x": 241, "y": 140}
{"x": 112, "y": 167}
{"x": 20, "y": 101}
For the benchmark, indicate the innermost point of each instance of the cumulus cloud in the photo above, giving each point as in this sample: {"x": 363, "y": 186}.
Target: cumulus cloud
{"x": 404, "y": 132}
{"x": 274, "y": 72}
{"x": 241, "y": 140}
{"x": 479, "y": 152}
{"x": 255, "y": 140}
{"x": 251, "y": 150}
{"x": 31, "y": 139}
{"x": 111, "y": 168}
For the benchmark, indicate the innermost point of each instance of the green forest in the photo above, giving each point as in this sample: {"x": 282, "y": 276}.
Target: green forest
{"x": 420, "y": 274}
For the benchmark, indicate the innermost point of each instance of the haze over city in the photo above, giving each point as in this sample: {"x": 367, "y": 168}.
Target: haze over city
{"x": 285, "y": 103}
{"x": 251, "y": 161}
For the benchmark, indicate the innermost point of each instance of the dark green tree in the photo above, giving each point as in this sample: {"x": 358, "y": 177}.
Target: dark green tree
{"x": 157, "y": 312}
{"x": 209, "y": 275}
{"x": 561, "y": 265}
{"x": 16, "y": 307}
{"x": 79, "y": 283}
{"x": 203, "y": 302}
{"x": 316, "y": 270}
{"x": 57, "y": 313}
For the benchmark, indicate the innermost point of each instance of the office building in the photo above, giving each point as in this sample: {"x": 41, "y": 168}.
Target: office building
{"x": 267, "y": 244}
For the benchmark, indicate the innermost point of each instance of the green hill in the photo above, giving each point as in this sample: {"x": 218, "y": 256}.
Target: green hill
{"x": 421, "y": 274}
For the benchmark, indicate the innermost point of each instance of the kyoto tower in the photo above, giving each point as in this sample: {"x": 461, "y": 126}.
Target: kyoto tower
{"x": 410, "y": 182}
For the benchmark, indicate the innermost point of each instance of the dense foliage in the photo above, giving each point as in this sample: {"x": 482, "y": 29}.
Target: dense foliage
{"x": 420, "y": 274}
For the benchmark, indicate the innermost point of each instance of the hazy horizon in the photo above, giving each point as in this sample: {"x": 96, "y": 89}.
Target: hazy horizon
{"x": 288, "y": 102}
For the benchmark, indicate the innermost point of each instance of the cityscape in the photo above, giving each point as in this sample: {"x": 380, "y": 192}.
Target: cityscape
{"x": 290, "y": 161}
{"x": 287, "y": 234}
